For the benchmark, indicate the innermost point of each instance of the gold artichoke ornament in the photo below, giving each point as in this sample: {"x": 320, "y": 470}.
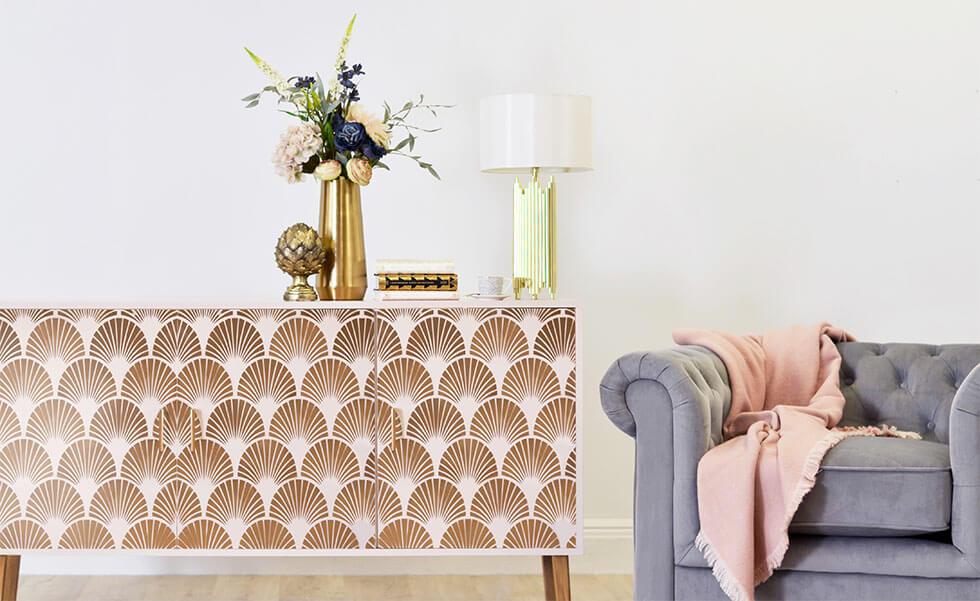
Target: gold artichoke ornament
{"x": 299, "y": 253}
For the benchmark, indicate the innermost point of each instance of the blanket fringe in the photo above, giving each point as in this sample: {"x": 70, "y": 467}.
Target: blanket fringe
{"x": 729, "y": 585}
{"x": 883, "y": 430}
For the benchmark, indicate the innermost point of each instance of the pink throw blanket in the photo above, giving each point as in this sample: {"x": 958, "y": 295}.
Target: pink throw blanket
{"x": 786, "y": 400}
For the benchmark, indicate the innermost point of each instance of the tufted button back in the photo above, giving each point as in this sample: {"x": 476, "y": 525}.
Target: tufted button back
{"x": 909, "y": 386}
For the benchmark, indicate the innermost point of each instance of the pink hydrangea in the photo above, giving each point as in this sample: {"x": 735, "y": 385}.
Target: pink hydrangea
{"x": 297, "y": 145}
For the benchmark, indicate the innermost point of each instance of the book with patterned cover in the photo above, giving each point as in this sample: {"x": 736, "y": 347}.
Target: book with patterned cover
{"x": 417, "y": 281}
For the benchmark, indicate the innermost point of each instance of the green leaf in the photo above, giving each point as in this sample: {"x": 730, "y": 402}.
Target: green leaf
{"x": 350, "y": 26}
{"x": 251, "y": 97}
{"x": 326, "y": 131}
{"x": 407, "y": 106}
{"x": 411, "y": 142}
{"x": 319, "y": 87}
{"x": 251, "y": 104}
{"x": 382, "y": 165}
{"x": 400, "y": 145}
{"x": 433, "y": 172}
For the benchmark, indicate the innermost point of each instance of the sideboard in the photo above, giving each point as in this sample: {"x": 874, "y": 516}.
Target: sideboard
{"x": 371, "y": 428}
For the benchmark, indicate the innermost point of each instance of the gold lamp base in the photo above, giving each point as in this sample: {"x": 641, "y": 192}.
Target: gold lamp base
{"x": 534, "y": 237}
{"x": 299, "y": 290}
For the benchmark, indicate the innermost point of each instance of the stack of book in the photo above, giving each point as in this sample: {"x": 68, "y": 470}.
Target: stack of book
{"x": 417, "y": 280}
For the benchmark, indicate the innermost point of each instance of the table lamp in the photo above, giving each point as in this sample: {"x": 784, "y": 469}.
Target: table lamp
{"x": 536, "y": 134}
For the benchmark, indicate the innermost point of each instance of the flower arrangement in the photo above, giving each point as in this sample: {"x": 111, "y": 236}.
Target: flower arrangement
{"x": 337, "y": 136}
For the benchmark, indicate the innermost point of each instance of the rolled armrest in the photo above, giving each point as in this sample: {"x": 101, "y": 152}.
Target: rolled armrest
{"x": 673, "y": 403}
{"x": 964, "y": 455}
{"x": 690, "y": 374}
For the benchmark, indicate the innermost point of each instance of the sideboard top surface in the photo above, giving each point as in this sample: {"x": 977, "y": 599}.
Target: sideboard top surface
{"x": 366, "y": 304}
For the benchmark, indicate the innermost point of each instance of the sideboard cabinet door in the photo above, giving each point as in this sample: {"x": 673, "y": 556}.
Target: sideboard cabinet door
{"x": 80, "y": 396}
{"x": 165, "y": 429}
{"x": 477, "y": 443}
{"x": 274, "y": 432}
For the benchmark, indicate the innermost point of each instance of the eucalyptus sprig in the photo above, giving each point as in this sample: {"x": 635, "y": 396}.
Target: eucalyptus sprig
{"x": 400, "y": 118}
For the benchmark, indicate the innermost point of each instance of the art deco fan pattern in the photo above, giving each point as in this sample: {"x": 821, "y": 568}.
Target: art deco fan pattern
{"x": 288, "y": 429}
{"x": 481, "y": 452}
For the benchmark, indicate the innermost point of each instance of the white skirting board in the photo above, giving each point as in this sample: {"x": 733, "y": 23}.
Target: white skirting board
{"x": 608, "y": 550}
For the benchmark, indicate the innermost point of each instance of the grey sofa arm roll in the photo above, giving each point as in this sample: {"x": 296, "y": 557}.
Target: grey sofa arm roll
{"x": 673, "y": 403}
{"x": 689, "y": 373}
{"x": 964, "y": 455}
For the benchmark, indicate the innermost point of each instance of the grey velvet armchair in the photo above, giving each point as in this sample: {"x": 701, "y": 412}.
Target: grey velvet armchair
{"x": 888, "y": 518}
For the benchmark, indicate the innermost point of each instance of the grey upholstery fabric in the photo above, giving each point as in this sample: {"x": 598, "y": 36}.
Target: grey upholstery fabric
{"x": 673, "y": 402}
{"x": 879, "y": 487}
{"x": 697, "y": 375}
{"x": 898, "y": 556}
{"x": 700, "y": 585}
{"x": 964, "y": 455}
{"x": 909, "y": 386}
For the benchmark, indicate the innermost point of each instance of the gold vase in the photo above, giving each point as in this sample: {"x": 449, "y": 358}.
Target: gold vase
{"x": 344, "y": 273}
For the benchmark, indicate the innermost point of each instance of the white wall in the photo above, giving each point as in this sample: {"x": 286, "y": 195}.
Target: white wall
{"x": 757, "y": 163}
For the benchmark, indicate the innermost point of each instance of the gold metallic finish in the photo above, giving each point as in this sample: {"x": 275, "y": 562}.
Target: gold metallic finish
{"x": 299, "y": 290}
{"x": 163, "y": 415}
{"x": 195, "y": 424}
{"x": 535, "y": 264}
{"x": 344, "y": 272}
{"x": 299, "y": 253}
{"x": 397, "y": 424}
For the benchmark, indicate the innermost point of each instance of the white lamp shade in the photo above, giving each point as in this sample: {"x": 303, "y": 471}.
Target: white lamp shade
{"x": 521, "y": 131}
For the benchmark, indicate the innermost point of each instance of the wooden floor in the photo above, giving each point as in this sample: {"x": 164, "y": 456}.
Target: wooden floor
{"x": 310, "y": 588}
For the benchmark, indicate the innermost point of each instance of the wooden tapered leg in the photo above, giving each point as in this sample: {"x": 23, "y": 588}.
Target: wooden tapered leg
{"x": 557, "y": 586}
{"x": 9, "y": 573}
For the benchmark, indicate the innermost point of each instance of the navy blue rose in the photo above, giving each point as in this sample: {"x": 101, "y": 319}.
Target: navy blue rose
{"x": 349, "y": 136}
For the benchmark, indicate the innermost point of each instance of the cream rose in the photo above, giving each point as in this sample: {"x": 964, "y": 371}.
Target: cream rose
{"x": 359, "y": 171}
{"x": 373, "y": 126}
{"x": 327, "y": 171}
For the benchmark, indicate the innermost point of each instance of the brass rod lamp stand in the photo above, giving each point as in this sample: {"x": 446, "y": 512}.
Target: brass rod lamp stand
{"x": 535, "y": 265}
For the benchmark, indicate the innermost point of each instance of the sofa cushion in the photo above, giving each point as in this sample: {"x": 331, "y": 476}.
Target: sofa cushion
{"x": 879, "y": 487}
